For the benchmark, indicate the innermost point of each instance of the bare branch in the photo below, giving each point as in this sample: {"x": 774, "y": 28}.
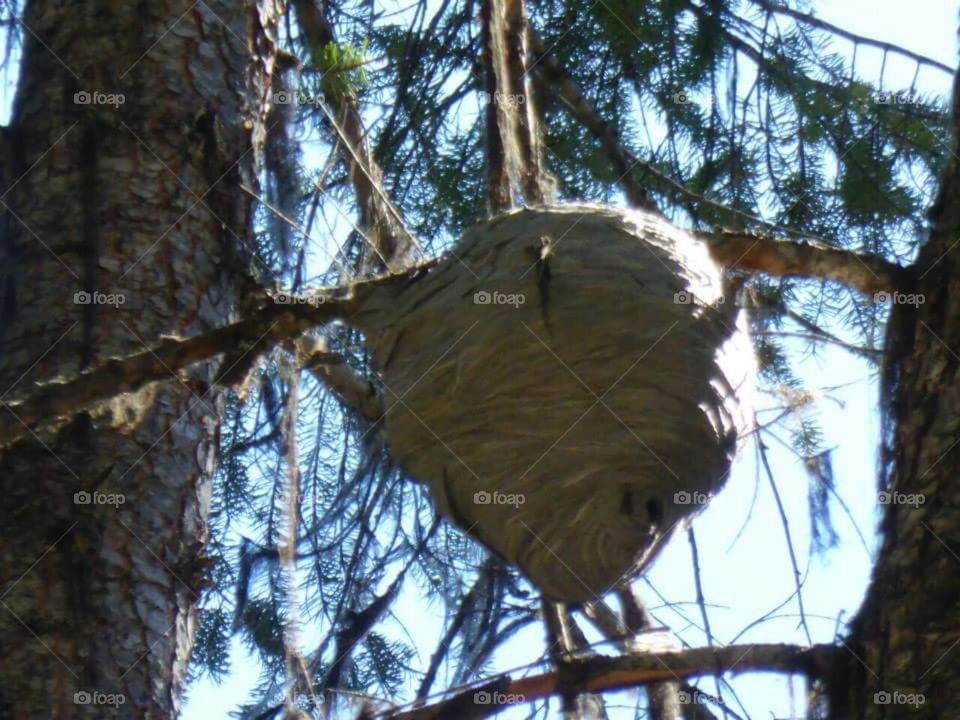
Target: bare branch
{"x": 561, "y": 84}
{"x": 351, "y": 388}
{"x": 511, "y": 109}
{"x": 601, "y": 673}
{"x": 663, "y": 699}
{"x": 784, "y": 521}
{"x": 241, "y": 343}
{"x": 760, "y": 252}
{"x": 391, "y": 239}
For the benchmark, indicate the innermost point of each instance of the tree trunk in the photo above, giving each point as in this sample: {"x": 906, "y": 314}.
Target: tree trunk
{"x": 905, "y": 644}
{"x": 123, "y": 223}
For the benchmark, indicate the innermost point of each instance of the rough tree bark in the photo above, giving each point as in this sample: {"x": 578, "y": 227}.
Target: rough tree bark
{"x": 905, "y": 642}
{"x": 104, "y": 199}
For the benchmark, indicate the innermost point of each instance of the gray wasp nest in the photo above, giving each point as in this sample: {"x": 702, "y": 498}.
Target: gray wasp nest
{"x": 568, "y": 412}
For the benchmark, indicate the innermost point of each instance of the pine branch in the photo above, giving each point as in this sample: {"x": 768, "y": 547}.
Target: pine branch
{"x": 813, "y": 21}
{"x": 467, "y": 604}
{"x": 601, "y": 673}
{"x": 748, "y": 251}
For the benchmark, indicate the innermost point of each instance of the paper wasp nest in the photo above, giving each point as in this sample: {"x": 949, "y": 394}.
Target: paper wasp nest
{"x": 568, "y": 413}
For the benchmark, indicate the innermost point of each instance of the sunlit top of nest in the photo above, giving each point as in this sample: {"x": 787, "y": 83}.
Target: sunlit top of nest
{"x": 567, "y": 384}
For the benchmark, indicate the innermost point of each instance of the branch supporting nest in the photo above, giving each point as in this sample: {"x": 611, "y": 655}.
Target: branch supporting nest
{"x": 245, "y": 341}
{"x": 558, "y": 81}
{"x": 599, "y": 674}
{"x": 565, "y": 638}
{"x": 514, "y": 136}
{"x": 242, "y": 343}
{"x": 352, "y": 389}
{"x": 760, "y": 252}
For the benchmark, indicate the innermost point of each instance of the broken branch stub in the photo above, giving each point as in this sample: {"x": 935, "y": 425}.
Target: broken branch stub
{"x": 568, "y": 385}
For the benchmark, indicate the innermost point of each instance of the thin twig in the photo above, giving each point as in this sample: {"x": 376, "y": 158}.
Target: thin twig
{"x": 762, "y": 449}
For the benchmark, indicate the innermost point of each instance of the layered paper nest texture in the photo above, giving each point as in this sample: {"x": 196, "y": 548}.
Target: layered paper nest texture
{"x": 568, "y": 412}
